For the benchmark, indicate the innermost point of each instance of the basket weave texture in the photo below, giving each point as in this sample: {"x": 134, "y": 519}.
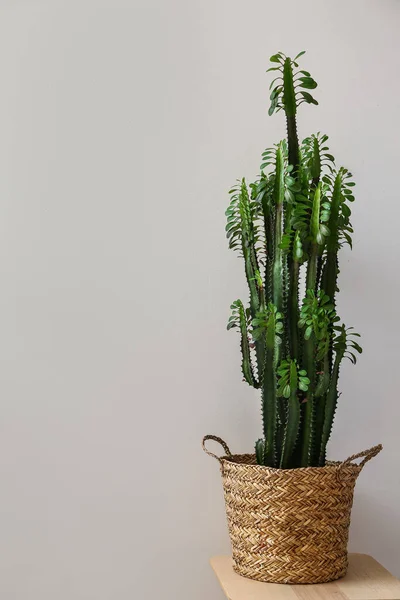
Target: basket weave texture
{"x": 292, "y": 525}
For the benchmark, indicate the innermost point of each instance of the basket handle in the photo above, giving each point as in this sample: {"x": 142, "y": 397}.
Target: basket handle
{"x": 367, "y": 455}
{"x": 220, "y": 441}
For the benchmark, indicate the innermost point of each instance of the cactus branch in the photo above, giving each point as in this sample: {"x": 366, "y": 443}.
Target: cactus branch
{"x": 240, "y": 319}
{"x": 343, "y": 341}
{"x": 269, "y": 325}
{"x": 293, "y": 309}
{"x": 329, "y": 278}
{"x": 330, "y": 408}
{"x": 279, "y": 193}
{"x": 293, "y": 417}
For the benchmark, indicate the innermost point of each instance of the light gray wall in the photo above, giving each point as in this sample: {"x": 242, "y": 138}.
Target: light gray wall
{"x": 122, "y": 126}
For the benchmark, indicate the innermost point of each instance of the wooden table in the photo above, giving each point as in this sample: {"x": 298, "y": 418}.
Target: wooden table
{"x": 365, "y": 580}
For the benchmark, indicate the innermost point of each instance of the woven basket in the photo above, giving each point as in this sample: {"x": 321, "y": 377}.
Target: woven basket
{"x": 292, "y": 525}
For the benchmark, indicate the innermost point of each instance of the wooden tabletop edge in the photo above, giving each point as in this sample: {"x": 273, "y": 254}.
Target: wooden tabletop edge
{"x": 367, "y": 579}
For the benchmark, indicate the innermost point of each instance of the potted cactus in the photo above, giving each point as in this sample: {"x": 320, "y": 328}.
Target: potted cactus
{"x": 288, "y": 508}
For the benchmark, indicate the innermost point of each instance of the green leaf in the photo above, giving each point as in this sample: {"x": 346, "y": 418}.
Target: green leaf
{"x": 273, "y": 81}
{"x": 308, "y": 98}
{"x": 308, "y": 83}
{"x": 275, "y": 92}
{"x": 324, "y": 230}
{"x": 273, "y": 106}
{"x": 276, "y": 58}
{"x": 260, "y": 451}
{"x": 299, "y": 54}
{"x": 308, "y": 332}
{"x": 352, "y": 357}
{"x": 356, "y": 347}
{"x": 346, "y": 210}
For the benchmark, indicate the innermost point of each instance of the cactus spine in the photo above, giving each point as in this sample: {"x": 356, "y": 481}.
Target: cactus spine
{"x": 287, "y": 225}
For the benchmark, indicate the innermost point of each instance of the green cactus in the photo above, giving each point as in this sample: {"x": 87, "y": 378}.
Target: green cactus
{"x": 289, "y": 226}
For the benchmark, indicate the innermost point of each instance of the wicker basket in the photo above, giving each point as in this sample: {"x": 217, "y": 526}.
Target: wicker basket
{"x": 288, "y": 526}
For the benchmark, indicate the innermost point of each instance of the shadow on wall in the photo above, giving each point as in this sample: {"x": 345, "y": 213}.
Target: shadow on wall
{"x": 375, "y": 530}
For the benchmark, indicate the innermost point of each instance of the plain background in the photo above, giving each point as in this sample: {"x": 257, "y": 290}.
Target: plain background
{"x": 122, "y": 126}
